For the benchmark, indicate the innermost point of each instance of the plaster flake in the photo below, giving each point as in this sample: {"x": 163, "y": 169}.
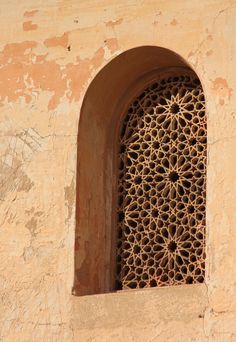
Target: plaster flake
{"x": 222, "y": 90}
{"x": 57, "y": 41}
{"x": 29, "y": 26}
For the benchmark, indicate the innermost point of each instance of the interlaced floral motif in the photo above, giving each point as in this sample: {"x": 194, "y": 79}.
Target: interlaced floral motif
{"x": 161, "y": 186}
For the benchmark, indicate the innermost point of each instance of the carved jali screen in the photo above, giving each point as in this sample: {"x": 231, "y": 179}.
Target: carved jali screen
{"x": 162, "y": 186}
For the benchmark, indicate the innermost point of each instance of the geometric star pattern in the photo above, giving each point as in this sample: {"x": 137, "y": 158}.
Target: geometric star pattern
{"x": 162, "y": 186}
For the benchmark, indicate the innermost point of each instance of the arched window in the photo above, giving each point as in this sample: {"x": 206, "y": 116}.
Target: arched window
{"x": 162, "y": 184}
{"x": 141, "y": 170}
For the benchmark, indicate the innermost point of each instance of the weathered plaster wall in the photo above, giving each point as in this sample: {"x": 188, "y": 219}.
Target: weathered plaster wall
{"x": 49, "y": 52}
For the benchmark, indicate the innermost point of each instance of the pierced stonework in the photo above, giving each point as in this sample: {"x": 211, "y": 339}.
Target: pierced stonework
{"x": 162, "y": 186}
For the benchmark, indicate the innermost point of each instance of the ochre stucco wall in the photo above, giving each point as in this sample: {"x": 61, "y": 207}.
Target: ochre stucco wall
{"x": 50, "y": 51}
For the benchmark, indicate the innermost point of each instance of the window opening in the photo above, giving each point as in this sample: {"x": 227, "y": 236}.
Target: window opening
{"x": 162, "y": 186}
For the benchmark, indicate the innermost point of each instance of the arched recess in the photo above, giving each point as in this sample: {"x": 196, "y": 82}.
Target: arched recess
{"x": 103, "y": 107}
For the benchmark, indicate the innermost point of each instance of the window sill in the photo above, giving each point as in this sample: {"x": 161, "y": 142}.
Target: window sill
{"x": 144, "y": 307}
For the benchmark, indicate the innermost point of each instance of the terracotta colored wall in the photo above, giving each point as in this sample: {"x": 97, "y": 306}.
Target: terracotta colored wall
{"x": 50, "y": 51}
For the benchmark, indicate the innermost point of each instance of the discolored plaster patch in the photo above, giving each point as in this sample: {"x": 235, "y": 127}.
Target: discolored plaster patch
{"x": 35, "y": 215}
{"x": 78, "y": 74}
{"x": 201, "y": 48}
{"x": 14, "y": 59}
{"x": 222, "y": 90}
{"x": 32, "y": 211}
{"x": 113, "y": 23}
{"x": 29, "y": 26}
{"x": 28, "y": 14}
{"x": 25, "y": 183}
{"x": 57, "y": 41}
{"x": 20, "y": 150}
{"x": 209, "y": 52}
{"x": 112, "y": 44}
{"x": 32, "y": 226}
{"x": 70, "y": 197}
{"x": 174, "y": 22}
{"x": 209, "y": 37}
{"x": 13, "y": 179}
{"x": 24, "y": 74}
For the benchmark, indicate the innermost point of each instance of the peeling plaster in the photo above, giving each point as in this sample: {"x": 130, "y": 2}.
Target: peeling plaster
{"x": 24, "y": 73}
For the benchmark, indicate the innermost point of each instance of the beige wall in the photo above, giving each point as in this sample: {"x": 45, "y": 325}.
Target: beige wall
{"x": 50, "y": 52}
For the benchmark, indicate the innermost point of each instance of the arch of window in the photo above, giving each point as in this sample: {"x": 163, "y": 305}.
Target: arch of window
{"x": 110, "y": 252}
{"x": 162, "y": 185}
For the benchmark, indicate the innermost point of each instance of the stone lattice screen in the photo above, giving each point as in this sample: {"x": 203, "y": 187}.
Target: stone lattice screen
{"x": 162, "y": 186}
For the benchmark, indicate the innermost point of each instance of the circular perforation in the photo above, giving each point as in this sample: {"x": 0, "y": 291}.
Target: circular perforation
{"x": 161, "y": 186}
